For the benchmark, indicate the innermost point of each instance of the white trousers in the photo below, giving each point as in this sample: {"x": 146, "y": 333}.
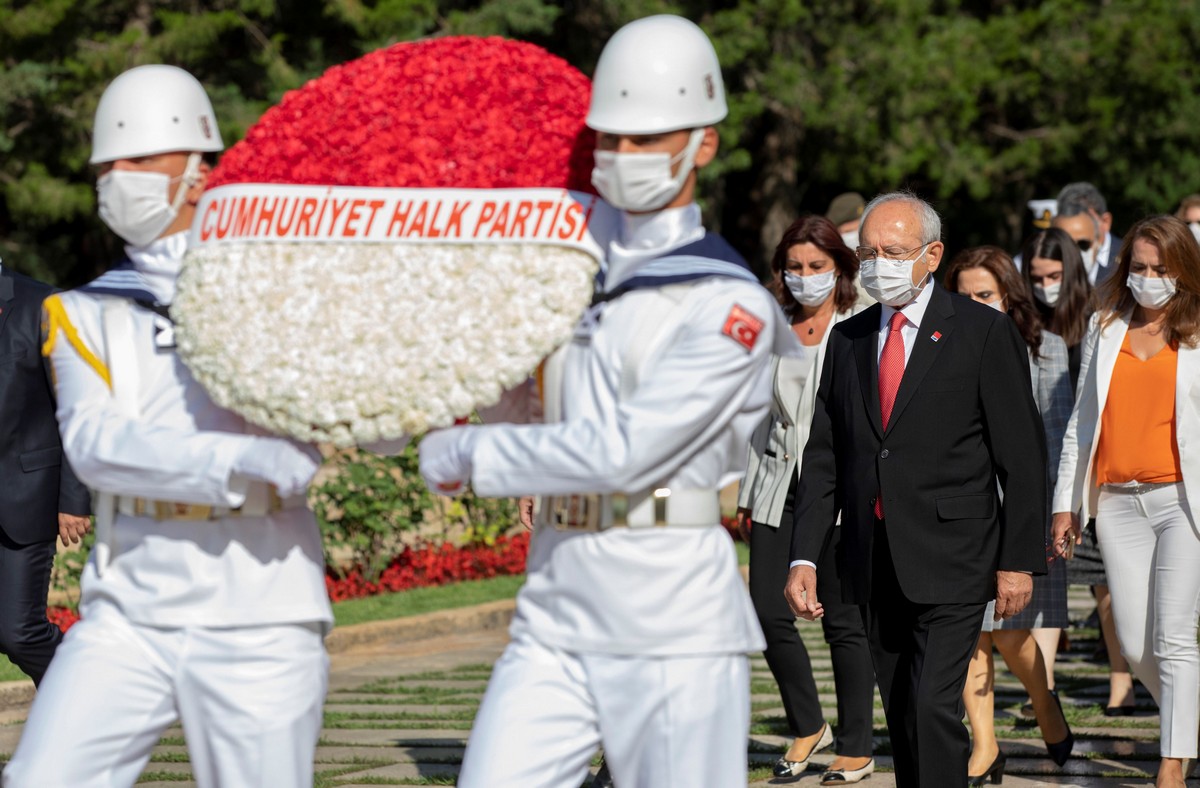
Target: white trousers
{"x": 1151, "y": 552}
{"x": 664, "y": 721}
{"x": 250, "y": 700}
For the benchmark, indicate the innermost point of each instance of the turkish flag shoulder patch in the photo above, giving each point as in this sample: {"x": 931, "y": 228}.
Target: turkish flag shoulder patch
{"x": 742, "y": 327}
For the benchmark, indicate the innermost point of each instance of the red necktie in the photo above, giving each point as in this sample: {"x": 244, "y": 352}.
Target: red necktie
{"x": 891, "y": 369}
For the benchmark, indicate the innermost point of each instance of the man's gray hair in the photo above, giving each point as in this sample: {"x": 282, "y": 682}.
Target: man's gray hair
{"x": 1081, "y": 197}
{"x": 931, "y": 223}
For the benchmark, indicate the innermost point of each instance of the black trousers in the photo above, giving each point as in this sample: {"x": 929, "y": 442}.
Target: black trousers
{"x": 853, "y": 675}
{"x": 921, "y": 654}
{"x": 26, "y": 636}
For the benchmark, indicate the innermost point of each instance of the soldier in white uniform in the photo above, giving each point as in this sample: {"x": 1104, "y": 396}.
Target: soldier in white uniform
{"x": 204, "y": 598}
{"x": 633, "y": 626}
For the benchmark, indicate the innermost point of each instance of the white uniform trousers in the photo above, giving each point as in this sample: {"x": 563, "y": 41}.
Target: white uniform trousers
{"x": 250, "y": 700}
{"x": 1151, "y": 552}
{"x": 663, "y": 721}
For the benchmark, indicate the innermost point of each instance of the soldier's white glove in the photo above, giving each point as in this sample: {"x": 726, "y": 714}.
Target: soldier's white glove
{"x": 288, "y": 465}
{"x": 446, "y": 459}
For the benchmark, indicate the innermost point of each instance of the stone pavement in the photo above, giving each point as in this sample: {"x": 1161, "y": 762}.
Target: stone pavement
{"x": 399, "y": 711}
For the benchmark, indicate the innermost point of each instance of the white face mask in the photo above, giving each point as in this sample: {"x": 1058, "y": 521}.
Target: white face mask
{"x": 1151, "y": 293}
{"x": 1047, "y": 294}
{"x": 134, "y": 204}
{"x": 890, "y": 281}
{"x": 810, "y": 290}
{"x": 642, "y": 182}
{"x": 998, "y": 305}
{"x": 850, "y": 239}
{"x": 1195, "y": 228}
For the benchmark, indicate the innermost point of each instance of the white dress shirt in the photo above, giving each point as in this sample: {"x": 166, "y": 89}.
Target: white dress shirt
{"x": 913, "y": 313}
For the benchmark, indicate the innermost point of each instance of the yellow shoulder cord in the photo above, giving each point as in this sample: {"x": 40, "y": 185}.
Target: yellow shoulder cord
{"x": 55, "y": 320}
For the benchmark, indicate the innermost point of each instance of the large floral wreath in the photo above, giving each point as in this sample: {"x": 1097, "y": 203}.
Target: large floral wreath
{"x": 352, "y": 341}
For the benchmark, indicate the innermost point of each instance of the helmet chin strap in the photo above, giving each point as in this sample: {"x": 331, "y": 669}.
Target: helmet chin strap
{"x": 189, "y": 178}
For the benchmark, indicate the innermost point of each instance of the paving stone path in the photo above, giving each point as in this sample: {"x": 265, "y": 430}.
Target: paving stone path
{"x": 398, "y": 713}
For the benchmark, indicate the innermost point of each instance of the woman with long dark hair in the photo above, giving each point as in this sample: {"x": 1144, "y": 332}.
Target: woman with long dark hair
{"x": 987, "y": 275}
{"x": 1057, "y": 278}
{"x": 812, "y": 277}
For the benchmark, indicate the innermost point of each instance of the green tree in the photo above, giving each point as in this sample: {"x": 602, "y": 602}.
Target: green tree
{"x": 979, "y": 105}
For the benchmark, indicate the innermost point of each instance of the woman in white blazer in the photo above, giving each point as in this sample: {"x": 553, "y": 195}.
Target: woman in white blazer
{"x": 1130, "y": 460}
{"x": 813, "y": 275}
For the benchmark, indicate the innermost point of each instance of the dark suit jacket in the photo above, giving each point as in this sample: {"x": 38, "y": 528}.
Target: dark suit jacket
{"x": 964, "y": 419}
{"x": 37, "y": 481}
{"x": 1108, "y": 266}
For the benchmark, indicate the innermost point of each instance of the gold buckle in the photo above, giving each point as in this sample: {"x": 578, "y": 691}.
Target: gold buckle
{"x": 575, "y": 512}
{"x": 660, "y": 505}
{"x": 167, "y": 510}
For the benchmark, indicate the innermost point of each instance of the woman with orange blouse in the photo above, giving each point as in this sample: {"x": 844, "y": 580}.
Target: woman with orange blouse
{"x": 1130, "y": 458}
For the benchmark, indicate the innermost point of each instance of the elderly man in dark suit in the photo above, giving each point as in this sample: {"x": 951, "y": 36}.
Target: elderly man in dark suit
{"x": 40, "y": 498}
{"x": 924, "y": 416}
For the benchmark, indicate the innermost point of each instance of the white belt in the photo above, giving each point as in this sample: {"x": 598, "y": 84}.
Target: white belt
{"x": 648, "y": 509}
{"x": 261, "y": 500}
{"x": 1134, "y": 488}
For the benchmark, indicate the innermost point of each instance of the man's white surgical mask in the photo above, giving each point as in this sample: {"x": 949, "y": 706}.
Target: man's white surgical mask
{"x": 890, "y": 281}
{"x": 1195, "y": 228}
{"x": 1047, "y": 294}
{"x": 1151, "y": 292}
{"x": 642, "y": 182}
{"x": 134, "y": 204}
{"x": 850, "y": 238}
{"x": 810, "y": 290}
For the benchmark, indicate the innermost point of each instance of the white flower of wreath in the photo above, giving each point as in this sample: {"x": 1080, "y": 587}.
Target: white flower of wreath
{"x": 354, "y": 343}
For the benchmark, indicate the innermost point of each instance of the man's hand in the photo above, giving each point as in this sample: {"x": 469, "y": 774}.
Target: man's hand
{"x": 1065, "y": 534}
{"x": 1013, "y": 590}
{"x": 801, "y": 593}
{"x": 525, "y": 512}
{"x": 741, "y": 521}
{"x": 72, "y": 527}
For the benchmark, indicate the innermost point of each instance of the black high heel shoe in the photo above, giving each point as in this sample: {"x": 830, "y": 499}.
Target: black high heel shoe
{"x": 1061, "y": 751}
{"x": 994, "y": 773}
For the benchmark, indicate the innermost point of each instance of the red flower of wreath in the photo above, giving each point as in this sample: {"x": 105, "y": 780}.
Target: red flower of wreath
{"x": 428, "y": 114}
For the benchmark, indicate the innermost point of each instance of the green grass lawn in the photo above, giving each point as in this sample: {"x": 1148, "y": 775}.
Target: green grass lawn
{"x": 425, "y": 600}
{"x": 9, "y": 671}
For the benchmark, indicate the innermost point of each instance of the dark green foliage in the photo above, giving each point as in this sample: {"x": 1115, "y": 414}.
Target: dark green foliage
{"x": 977, "y": 105}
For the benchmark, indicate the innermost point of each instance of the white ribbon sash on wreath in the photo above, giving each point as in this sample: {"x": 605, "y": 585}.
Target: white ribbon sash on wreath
{"x": 358, "y": 314}
{"x": 353, "y": 214}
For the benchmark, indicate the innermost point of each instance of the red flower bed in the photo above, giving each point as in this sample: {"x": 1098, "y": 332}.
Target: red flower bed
{"x": 434, "y": 565}
{"x": 430, "y": 565}
{"x": 62, "y": 617}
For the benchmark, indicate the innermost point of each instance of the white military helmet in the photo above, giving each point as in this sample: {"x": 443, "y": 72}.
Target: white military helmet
{"x": 153, "y": 109}
{"x": 655, "y": 75}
